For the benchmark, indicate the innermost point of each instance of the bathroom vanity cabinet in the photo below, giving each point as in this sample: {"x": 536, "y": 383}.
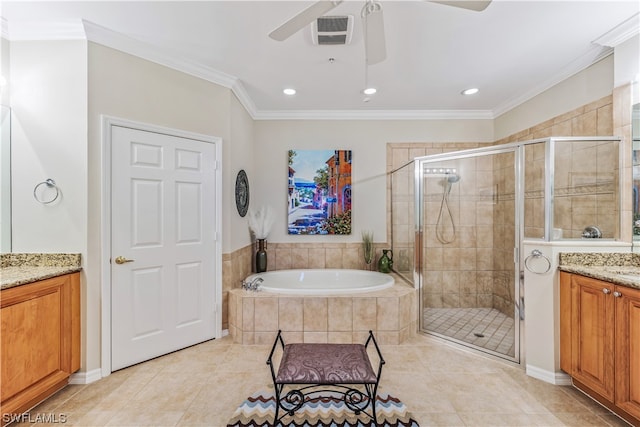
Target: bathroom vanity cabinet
{"x": 39, "y": 340}
{"x": 599, "y": 341}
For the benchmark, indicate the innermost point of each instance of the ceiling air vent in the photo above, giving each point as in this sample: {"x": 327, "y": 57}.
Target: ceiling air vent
{"x": 332, "y": 30}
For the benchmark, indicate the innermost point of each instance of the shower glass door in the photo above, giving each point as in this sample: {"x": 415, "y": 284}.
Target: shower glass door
{"x": 467, "y": 216}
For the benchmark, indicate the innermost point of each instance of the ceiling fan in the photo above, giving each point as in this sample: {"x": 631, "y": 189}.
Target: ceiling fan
{"x": 373, "y": 24}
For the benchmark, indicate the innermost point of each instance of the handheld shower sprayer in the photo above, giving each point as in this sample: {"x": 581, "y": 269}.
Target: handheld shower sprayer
{"x": 453, "y": 178}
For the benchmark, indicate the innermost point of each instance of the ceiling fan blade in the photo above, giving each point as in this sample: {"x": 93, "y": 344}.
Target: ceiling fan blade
{"x": 477, "y": 5}
{"x": 373, "y": 24}
{"x": 302, "y": 19}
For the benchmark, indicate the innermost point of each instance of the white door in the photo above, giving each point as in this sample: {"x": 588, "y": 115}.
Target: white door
{"x": 163, "y": 244}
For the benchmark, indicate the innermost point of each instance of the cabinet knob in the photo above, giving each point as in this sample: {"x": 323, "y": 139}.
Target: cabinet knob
{"x": 606, "y": 291}
{"x": 617, "y": 294}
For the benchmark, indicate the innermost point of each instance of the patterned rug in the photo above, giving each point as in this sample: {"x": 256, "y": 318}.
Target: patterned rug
{"x": 259, "y": 409}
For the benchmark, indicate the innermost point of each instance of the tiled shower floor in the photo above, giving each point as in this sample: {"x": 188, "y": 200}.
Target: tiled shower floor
{"x": 496, "y": 330}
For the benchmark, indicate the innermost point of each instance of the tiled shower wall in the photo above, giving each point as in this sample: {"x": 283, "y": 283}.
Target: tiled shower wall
{"x": 586, "y": 183}
{"x": 476, "y": 269}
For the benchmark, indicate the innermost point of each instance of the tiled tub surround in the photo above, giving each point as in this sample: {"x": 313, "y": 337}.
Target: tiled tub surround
{"x": 237, "y": 265}
{"x": 255, "y": 317}
{"x": 619, "y": 268}
{"x": 19, "y": 269}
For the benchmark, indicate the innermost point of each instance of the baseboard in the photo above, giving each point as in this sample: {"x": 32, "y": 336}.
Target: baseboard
{"x": 85, "y": 377}
{"x": 225, "y": 332}
{"x": 551, "y": 377}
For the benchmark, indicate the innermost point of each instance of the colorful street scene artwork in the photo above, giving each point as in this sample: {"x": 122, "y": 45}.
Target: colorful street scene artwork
{"x": 319, "y": 192}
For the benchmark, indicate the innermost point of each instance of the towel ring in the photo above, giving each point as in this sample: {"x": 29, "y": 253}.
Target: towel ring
{"x": 50, "y": 183}
{"x": 536, "y": 253}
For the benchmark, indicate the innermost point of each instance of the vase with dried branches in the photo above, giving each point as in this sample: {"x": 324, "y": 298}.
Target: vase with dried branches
{"x": 260, "y": 223}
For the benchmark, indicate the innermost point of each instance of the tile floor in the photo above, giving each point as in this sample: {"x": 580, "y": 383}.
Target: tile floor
{"x": 442, "y": 385}
{"x": 466, "y": 324}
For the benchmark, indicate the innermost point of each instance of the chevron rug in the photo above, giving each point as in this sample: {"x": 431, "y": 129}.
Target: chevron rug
{"x": 258, "y": 411}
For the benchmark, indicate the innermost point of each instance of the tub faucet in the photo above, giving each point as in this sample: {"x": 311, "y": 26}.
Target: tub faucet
{"x": 253, "y": 284}
{"x": 591, "y": 232}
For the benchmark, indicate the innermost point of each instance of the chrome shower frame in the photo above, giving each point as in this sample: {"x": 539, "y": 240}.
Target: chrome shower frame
{"x": 518, "y": 149}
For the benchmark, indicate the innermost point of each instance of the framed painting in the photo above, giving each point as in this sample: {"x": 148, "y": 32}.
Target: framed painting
{"x": 319, "y": 188}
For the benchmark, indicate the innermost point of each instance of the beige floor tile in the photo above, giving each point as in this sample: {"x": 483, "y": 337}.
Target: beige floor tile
{"x": 136, "y": 418}
{"x": 440, "y": 384}
{"x": 438, "y": 419}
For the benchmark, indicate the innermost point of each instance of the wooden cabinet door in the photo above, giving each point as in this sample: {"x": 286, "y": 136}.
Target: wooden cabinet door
{"x": 39, "y": 340}
{"x": 592, "y": 341}
{"x": 628, "y": 350}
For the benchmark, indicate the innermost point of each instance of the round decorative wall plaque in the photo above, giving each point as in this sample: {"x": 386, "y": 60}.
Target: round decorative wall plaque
{"x": 242, "y": 193}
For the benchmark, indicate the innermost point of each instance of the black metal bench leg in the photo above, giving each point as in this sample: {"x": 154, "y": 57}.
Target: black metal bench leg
{"x": 275, "y": 418}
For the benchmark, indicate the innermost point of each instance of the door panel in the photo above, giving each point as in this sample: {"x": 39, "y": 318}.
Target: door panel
{"x": 164, "y": 228}
{"x": 628, "y": 350}
{"x": 592, "y": 347}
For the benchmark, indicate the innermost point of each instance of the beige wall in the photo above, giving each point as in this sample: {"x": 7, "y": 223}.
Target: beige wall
{"x": 5, "y": 148}
{"x": 587, "y": 86}
{"x": 367, "y": 140}
{"x": 49, "y": 130}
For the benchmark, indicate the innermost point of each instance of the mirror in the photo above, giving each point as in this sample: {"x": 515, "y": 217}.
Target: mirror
{"x": 5, "y": 179}
{"x": 635, "y": 133}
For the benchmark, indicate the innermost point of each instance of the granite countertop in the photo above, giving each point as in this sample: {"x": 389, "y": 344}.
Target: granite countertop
{"x": 618, "y": 268}
{"x": 21, "y": 269}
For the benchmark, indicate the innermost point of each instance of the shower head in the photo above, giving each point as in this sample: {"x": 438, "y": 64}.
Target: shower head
{"x": 453, "y": 178}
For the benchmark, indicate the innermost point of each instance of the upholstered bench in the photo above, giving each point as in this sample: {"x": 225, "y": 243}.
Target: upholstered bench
{"x": 311, "y": 371}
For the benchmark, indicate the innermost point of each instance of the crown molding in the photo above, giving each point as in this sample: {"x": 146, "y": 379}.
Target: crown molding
{"x": 374, "y": 115}
{"x": 241, "y": 93}
{"x": 101, "y": 35}
{"x": 112, "y": 39}
{"x": 621, "y": 32}
{"x": 115, "y": 40}
{"x": 30, "y": 31}
{"x": 593, "y": 55}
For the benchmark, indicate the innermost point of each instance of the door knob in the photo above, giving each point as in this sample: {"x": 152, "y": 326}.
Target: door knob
{"x": 122, "y": 260}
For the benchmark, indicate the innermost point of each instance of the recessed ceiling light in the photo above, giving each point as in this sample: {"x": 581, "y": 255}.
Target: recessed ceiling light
{"x": 289, "y": 91}
{"x": 471, "y": 91}
{"x": 370, "y": 91}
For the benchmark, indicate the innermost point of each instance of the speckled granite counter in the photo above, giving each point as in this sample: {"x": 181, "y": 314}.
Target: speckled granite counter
{"x": 619, "y": 268}
{"x": 20, "y": 269}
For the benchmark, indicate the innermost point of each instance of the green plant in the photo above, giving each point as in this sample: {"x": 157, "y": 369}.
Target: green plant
{"x": 367, "y": 246}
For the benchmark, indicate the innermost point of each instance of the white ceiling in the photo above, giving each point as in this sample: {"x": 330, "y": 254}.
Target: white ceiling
{"x": 511, "y": 51}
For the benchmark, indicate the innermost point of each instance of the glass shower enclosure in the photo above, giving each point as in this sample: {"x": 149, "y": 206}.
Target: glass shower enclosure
{"x": 459, "y": 220}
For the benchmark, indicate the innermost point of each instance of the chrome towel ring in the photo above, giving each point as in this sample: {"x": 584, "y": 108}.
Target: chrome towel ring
{"x": 50, "y": 183}
{"x": 536, "y": 253}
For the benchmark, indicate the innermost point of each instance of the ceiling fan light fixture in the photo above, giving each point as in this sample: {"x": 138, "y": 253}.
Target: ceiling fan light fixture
{"x": 470, "y": 91}
{"x": 370, "y": 91}
{"x": 289, "y": 91}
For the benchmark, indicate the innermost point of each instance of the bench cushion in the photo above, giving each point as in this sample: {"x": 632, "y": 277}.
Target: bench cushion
{"x": 325, "y": 364}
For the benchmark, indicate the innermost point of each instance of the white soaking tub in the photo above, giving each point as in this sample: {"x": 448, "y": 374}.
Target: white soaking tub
{"x": 321, "y": 281}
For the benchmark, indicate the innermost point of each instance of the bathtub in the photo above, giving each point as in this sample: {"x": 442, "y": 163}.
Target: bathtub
{"x": 322, "y": 281}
